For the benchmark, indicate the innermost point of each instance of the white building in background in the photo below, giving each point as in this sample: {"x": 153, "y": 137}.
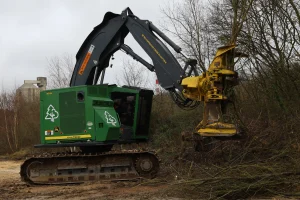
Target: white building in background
{"x": 31, "y": 92}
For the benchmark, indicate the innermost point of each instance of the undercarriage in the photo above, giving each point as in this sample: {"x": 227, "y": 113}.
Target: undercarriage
{"x": 63, "y": 168}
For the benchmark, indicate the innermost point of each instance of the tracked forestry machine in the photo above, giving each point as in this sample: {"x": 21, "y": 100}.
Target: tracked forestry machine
{"x": 95, "y": 116}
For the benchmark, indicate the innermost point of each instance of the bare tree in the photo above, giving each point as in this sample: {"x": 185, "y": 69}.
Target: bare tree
{"x": 270, "y": 36}
{"x": 60, "y": 71}
{"x": 272, "y": 40}
{"x": 133, "y": 74}
{"x": 9, "y": 122}
{"x": 187, "y": 22}
{"x": 226, "y": 19}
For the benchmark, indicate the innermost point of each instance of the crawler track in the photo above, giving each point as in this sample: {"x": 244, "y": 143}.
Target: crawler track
{"x": 62, "y": 168}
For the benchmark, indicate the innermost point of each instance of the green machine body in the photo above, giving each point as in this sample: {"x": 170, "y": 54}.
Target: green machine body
{"x": 94, "y": 115}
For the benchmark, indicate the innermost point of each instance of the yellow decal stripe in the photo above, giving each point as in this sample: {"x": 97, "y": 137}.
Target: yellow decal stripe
{"x": 155, "y": 50}
{"x": 67, "y": 137}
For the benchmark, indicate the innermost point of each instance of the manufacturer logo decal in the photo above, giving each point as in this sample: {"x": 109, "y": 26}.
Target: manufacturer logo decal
{"x": 51, "y": 113}
{"x": 110, "y": 119}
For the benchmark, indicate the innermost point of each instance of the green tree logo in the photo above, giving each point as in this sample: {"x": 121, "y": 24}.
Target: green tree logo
{"x": 110, "y": 119}
{"x": 51, "y": 113}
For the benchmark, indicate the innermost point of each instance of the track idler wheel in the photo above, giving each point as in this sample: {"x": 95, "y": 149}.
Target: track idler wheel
{"x": 147, "y": 166}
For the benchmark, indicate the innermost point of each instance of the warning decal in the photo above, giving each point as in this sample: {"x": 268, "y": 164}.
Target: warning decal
{"x": 86, "y": 59}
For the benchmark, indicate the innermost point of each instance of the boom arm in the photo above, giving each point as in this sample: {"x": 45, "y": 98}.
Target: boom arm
{"x": 108, "y": 37}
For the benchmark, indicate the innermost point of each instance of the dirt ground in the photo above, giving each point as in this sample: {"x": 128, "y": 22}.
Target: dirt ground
{"x": 11, "y": 187}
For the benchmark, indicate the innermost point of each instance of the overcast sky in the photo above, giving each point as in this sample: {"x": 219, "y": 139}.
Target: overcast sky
{"x": 34, "y": 30}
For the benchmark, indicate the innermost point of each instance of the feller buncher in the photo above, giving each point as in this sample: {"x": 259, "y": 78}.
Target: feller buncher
{"x": 94, "y": 116}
